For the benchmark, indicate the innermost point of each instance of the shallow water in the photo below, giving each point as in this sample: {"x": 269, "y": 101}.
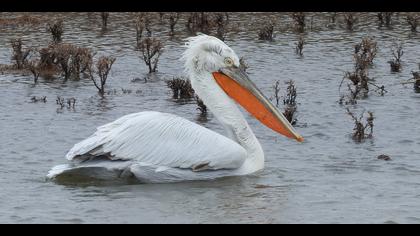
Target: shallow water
{"x": 327, "y": 179}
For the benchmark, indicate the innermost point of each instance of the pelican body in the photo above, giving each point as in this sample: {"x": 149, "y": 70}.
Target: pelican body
{"x": 157, "y": 147}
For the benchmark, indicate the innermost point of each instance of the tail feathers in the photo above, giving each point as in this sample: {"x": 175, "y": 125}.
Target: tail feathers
{"x": 57, "y": 170}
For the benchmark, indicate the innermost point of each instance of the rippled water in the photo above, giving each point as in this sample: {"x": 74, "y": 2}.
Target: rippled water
{"x": 327, "y": 179}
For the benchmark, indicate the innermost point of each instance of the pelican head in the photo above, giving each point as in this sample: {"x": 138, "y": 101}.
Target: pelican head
{"x": 208, "y": 58}
{"x": 207, "y": 53}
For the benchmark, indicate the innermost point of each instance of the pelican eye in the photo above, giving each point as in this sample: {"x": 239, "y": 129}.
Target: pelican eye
{"x": 228, "y": 61}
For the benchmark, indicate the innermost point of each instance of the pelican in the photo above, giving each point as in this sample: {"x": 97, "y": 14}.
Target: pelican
{"x": 157, "y": 147}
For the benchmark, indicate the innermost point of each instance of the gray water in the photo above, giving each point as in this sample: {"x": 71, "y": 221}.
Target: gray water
{"x": 327, "y": 179}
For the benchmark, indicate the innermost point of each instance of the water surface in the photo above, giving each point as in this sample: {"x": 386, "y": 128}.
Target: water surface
{"x": 327, "y": 179}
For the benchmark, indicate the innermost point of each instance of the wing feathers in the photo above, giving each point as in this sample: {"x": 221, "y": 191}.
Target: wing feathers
{"x": 162, "y": 139}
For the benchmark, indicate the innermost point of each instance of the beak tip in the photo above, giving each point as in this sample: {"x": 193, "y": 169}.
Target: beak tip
{"x": 300, "y": 139}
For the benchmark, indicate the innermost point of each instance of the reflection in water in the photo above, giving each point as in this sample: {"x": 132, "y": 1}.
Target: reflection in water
{"x": 103, "y": 104}
{"x": 99, "y": 105}
{"x": 326, "y": 179}
{"x": 202, "y": 119}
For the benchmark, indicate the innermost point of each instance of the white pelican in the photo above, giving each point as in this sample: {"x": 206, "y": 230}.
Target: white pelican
{"x": 158, "y": 147}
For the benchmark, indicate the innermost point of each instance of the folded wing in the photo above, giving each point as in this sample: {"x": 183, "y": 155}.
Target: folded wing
{"x": 160, "y": 139}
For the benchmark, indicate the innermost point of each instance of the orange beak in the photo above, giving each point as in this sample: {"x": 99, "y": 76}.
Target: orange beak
{"x": 239, "y": 87}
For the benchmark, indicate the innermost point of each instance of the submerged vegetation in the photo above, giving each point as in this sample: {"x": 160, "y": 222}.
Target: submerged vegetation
{"x": 173, "y": 19}
{"x": 267, "y": 31}
{"x": 34, "y": 67}
{"x": 350, "y": 19}
{"x": 71, "y": 59}
{"x": 413, "y": 21}
{"x": 181, "y": 88}
{"x": 25, "y": 19}
{"x": 19, "y": 55}
{"x": 70, "y": 103}
{"x": 289, "y": 100}
{"x": 416, "y": 80}
{"x": 359, "y": 81}
{"x": 397, "y": 52}
{"x": 101, "y": 69}
{"x": 277, "y": 97}
{"x": 142, "y": 21}
{"x": 221, "y": 21}
{"x": 362, "y": 130}
{"x": 35, "y": 99}
{"x": 151, "y": 49}
{"x": 358, "y": 86}
{"x": 198, "y": 22}
{"x": 56, "y": 30}
{"x": 201, "y": 106}
{"x": 385, "y": 18}
{"x": 104, "y": 17}
{"x": 299, "y": 21}
{"x": 299, "y": 46}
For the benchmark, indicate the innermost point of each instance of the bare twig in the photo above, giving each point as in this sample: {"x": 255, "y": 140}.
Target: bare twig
{"x": 151, "y": 49}
{"x": 359, "y": 130}
{"x": 35, "y": 99}
{"x": 34, "y": 68}
{"x": 299, "y": 46}
{"x": 181, "y": 88}
{"x": 413, "y": 21}
{"x": 299, "y": 20}
{"x": 290, "y": 102}
{"x": 56, "y": 30}
{"x": 102, "y": 68}
{"x": 19, "y": 55}
{"x": 104, "y": 17}
{"x": 397, "y": 52}
{"x": 198, "y": 22}
{"x": 221, "y": 21}
{"x": 276, "y": 88}
{"x": 266, "y": 32}
{"x": 350, "y": 18}
{"x": 385, "y": 18}
{"x": 173, "y": 19}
